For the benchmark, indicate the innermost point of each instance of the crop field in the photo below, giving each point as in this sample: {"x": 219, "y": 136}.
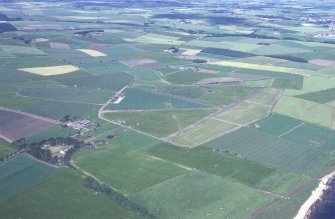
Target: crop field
{"x": 13, "y": 49}
{"x": 196, "y": 110}
{"x": 67, "y": 194}
{"x": 150, "y": 122}
{"x": 280, "y": 153}
{"x": 319, "y": 137}
{"x": 264, "y": 67}
{"x": 93, "y": 53}
{"x": 186, "y": 77}
{"x": 125, "y": 170}
{"x": 201, "y": 194}
{"x": 159, "y": 39}
{"x": 141, "y": 99}
{"x": 112, "y": 82}
{"x": 204, "y": 159}
{"x": 53, "y": 132}
{"x": 305, "y": 110}
{"x": 203, "y": 132}
{"x": 15, "y": 125}
{"x": 52, "y": 70}
{"x": 76, "y": 95}
{"x": 323, "y": 96}
{"x": 16, "y": 175}
{"x": 278, "y": 124}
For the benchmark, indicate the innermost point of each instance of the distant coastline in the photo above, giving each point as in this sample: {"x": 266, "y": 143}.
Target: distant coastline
{"x": 315, "y": 199}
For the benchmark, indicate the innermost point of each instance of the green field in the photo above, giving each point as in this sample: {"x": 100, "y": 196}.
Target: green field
{"x": 222, "y": 95}
{"x": 203, "y": 158}
{"x": 243, "y": 113}
{"x": 69, "y": 94}
{"x": 53, "y": 132}
{"x": 16, "y": 175}
{"x": 278, "y": 124}
{"x": 141, "y": 99}
{"x": 201, "y": 133}
{"x": 62, "y": 196}
{"x": 305, "y": 110}
{"x": 151, "y": 122}
{"x": 323, "y": 96}
{"x": 6, "y": 148}
{"x": 201, "y": 195}
{"x": 125, "y": 170}
{"x": 280, "y": 153}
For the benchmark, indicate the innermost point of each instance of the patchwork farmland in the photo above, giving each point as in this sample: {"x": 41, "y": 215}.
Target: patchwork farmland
{"x": 165, "y": 109}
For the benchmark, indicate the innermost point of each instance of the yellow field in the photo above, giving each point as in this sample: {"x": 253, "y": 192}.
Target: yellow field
{"x": 51, "y": 70}
{"x": 91, "y": 52}
{"x": 263, "y": 67}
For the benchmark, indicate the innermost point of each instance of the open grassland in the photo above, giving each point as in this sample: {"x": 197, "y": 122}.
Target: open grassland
{"x": 222, "y": 95}
{"x": 205, "y": 159}
{"x": 263, "y": 67}
{"x": 6, "y": 148}
{"x": 204, "y": 132}
{"x": 267, "y": 96}
{"x": 305, "y": 110}
{"x": 294, "y": 82}
{"x": 200, "y": 195}
{"x": 141, "y": 99}
{"x": 125, "y": 170}
{"x": 93, "y": 53}
{"x": 51, "y": 70}
{"x": 280, "y": 153}
{"x": 20, "y": 173}
{"x": 158, "y": 123}
{"x": 243, "y": 113}
{"x": 62, "y": 196}
{"x": 13, "y": 49}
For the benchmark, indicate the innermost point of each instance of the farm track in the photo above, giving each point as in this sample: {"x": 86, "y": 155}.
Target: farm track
{"x": 31, "y": 115}
{"x": 289, "y": 195}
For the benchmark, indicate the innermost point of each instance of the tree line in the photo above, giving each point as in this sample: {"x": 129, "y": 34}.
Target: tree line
{"x": 92, "y": 184}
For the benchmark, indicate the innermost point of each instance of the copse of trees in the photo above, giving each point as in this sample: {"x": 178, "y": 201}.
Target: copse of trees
{"x": 37, "y": 150}
{"x": 92, "y": 184}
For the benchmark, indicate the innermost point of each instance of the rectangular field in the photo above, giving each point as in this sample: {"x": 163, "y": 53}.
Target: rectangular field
{"x": 280, "y": 153}
{"x": 205, "y": 159}
{"x": 51, "y": 70}
{"x": 263, "y": 67}
{"x": 125, "y": 170}
{"x": 16, "y": 125}
{"x": 158, "y": 123}
{"x": 22, "y": 172}
{"x": 63, "y": 195}
{"x": 198, "y": 195}
{"x": 305, "y": 110}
